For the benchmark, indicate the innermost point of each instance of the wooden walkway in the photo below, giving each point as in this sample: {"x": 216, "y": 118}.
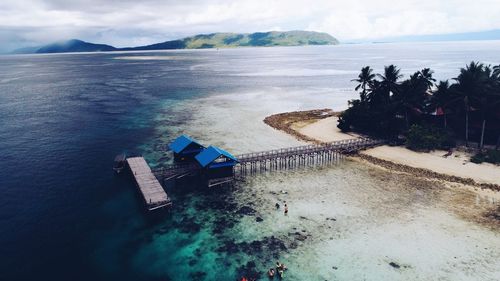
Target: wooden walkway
{"x": 293, "y": 157}
{"x": 153, "y": 193}
{"x": 277, "y": 159}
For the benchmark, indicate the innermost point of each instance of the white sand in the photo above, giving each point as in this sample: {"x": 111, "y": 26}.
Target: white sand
{"x": 325, "y": 130}
{"x": 456, "y": 165}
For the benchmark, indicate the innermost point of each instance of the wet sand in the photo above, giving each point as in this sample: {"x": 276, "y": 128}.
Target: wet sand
{"x": 355, "y": 222}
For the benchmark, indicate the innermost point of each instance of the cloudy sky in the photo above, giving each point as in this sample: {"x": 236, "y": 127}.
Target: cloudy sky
{"x": 133, "y": 22}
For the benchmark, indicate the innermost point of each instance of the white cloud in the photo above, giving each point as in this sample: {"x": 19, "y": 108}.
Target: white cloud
{"x": 128, "y": 22}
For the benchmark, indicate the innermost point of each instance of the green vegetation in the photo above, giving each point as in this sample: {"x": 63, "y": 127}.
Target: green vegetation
{"x": 202, "y": 41}
{"x": 272, "y": 38}
{"x": 424, "y": 112}
{"x": 490, "y": 156}
{"x": 426, "y": 138}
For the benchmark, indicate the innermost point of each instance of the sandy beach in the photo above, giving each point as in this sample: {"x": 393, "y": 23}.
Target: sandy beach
{"x": 456, "y": 165}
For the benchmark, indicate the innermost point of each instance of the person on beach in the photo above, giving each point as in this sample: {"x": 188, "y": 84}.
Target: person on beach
{"x": 280, "y": 269}
{"x": 280, "y": 266}
{"x": 286, "y": 209}
{"x": 271, "y": 272}
{"x": 277, "y": 205}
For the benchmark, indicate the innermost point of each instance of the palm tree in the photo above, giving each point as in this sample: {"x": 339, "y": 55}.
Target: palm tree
{"x": 441, "y": 97}
{"x": 484, "y": 100}
{"x": 496, "y": 75}
{"x": 391, "y": 76}
{"x": 411, "y": 94}
{"x": 388, "y": 83}
{"x": 470, "y": 81}
{"x": 365, "y": 80}
{"x": 426, "y": 76}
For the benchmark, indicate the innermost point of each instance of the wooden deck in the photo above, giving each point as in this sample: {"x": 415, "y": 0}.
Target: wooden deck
{"x": 153, "y": 193}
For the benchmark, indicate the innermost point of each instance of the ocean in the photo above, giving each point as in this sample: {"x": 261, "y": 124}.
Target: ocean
{"x": 65, "y": 215}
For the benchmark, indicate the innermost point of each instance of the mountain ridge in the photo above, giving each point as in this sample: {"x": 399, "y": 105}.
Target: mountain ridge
{"x": 200, "y": 41}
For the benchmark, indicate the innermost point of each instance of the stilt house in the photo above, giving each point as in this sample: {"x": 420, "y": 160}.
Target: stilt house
{"x": 216, "y": 162}
{"x": 185, "y": 148}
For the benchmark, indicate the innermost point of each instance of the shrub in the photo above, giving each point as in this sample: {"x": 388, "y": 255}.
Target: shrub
{"x": 426, "y": 138}
{"x": 490, "y": 156}
{"x": 343, "y": 125}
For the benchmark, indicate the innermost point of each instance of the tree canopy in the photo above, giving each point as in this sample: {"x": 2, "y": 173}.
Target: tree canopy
{"x": 389, "y": 106}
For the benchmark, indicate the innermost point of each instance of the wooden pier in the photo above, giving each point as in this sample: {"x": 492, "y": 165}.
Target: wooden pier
{"x": 277, "y": 159}
{"x": 299, "y": 156}
{"x": 239, "y": 166}
{"x": 153, "y": 193}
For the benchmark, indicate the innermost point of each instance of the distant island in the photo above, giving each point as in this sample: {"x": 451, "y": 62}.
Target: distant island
{"x": 202, "y": 41}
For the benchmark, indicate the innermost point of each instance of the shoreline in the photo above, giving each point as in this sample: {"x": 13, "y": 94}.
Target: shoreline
{"x": 315, "y": 126}
{"x": 290, "y": 122}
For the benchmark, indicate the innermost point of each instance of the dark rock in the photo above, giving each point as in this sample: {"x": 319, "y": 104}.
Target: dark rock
{"x": 258, "y": 219}
{"x": 229, "y": 246}
{"x": 299, "y": 236}
{"x": 197, "y": 252}
{"x": 275, "y": 244}
{"x": 189, "y": 227}
{"x": 256, "y": 244}
{"x": 494, "y": 214}
{"x": 395, "y": 265}
{"x": 221, "y": 224}
{"x": 197, "y": 275}
{"x": 221, "y": 205}
{"x": 249, "y": 270}
{"x": 247, "y": 211}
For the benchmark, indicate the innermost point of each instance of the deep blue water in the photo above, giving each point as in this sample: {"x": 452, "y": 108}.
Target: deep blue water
{"x": 64, "y": 215}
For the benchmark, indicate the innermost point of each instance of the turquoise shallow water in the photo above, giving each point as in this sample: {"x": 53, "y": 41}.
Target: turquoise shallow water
{"x": 65, "y": 215}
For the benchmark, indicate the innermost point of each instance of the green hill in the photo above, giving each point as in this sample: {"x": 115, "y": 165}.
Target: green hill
{"x": 202, "y": 41}
{"x": 258, "y": 39}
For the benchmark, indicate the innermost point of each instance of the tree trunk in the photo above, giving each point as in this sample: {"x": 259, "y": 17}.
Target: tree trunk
{"x": 467, "y": 128}
{"x": 406, "y": 118}
{"x": 466, "y": 103}
{"x": 482, "y": 134}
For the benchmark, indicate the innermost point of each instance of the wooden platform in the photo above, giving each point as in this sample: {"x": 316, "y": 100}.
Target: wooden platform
{"x": 153, "y": 193}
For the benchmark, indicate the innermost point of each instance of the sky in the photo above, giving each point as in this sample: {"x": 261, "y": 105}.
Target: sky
{"x": 132, "y": 22}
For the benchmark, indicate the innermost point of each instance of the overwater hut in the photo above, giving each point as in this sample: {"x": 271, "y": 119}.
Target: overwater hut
{"x": 216, "y": 163}
{"x": 185, "y": 148}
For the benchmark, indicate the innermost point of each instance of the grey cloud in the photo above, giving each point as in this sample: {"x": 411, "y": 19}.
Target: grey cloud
{"x": 134, "y": 22}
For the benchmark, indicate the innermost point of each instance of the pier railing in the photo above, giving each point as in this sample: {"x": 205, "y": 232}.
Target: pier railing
{"x": 344, "y": 146}
{"x": 283, "y": 158}
{"x": 176, "y": 171}
{"x": 292, "y": 157}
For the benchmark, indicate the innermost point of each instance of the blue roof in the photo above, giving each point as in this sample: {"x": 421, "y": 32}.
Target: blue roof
{"x": 180, "y": 143}
{"x": 211, "y": 153}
